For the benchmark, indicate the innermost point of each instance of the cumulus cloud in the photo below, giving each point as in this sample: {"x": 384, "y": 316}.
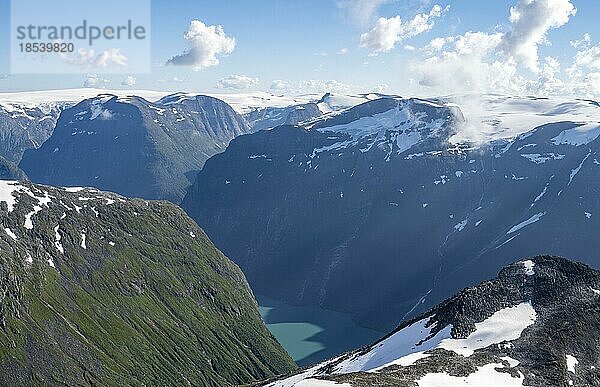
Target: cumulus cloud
{"x": 483, "y": 62}
{"x": 584, "y": 72}
{"x": 548, "y": 81}
{"x": 207, "y": 44}
{"x": 360, "y": 12}
{"x": 467, "y": 63}
{"x": 129, "y": 81}
{"x": 237, "y": 82}
{"x": 588, "y": 58}
{"x": 437, "y": 44}
{"x": 94, "y": 80}
{"x": 530, "y": 22}
{"x": 91, "y": 60}
{"x": 387, "y": 32}
{"x": 585, "y": 41}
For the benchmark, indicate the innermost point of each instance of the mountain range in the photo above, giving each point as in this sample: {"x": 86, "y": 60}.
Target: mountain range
{"x": 132, "y": 146}
{"x": 387, "y": 208}
{"x": 377, "y": 206}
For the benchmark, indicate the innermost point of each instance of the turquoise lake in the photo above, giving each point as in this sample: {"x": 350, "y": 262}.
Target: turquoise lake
{"x": 311, "y": 334}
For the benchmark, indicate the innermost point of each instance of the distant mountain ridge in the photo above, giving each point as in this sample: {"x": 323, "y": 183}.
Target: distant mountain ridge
{"x": 377, "y": 203}
{"x": 24, "y": 127}
{"x": 134, "y": 147}
{"x": 535, "y": 324}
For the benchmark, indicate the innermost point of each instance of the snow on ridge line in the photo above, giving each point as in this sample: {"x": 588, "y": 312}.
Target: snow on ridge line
{"x": 401, "y": 348}
{"x": 505, "y": 117}
{"x": 505, "y": 325}
{"x": 320, "y": 383}
{"x": 393, "y": 349}
{"x": 375, "y": 127}
{"x": 240, "y": 102}
{"x": 578, "y": 136}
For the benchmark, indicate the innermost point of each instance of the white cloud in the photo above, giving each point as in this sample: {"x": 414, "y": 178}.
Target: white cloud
{"x": 311, "y": 86}
{"x": 94, "y": 80}
{"x": 408, "y": 47}
{"x": 584, "y": 72}
{"x": 112, "y": 57}
{"x": 589, "y": 58}
{"x": 530, "y": 22}
{"x": 279, "y": 84}
{"x": 483, "y": 62}
{"x": 547, "y": 82}
{"x": 207, "y": 44}
{"x": 342, "y": 51}
{"x": 129, "y": 81}
{"x": 437, "y": 44}
{"x": 360, "y": 12}
{"x": 387, "y": 32}
{"x": 585, "y": 41}
{"x": 237, "y": 82}
{"x": 466, "y": 63}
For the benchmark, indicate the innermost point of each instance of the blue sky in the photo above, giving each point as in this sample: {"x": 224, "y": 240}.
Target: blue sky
{"x": 316, "y": 44}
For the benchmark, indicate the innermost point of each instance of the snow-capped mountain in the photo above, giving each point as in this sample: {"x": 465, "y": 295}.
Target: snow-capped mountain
{"x": 379, "y": 212}
{"x": 25, "y": 127}
{"x": 134, "y": 147}
{"x": 104, "y": 290}
{"x": 268, "y": 118}
{"x": 328, "y": 105}
{"x": 536, "y": 324}
{"x": 241, "y": 102}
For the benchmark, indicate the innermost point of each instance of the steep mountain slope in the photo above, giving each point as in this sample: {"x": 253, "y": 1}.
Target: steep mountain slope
{"x": 377, "y": 204}
{"x": 536, "y": 324}
{"x": 10, "y": 171}
{"x": 103, "y": 290}
{"x": 134, "y": 147}
{"x": 25, "y": 126}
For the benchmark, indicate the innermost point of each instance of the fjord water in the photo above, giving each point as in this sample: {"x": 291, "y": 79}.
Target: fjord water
{"x": 312, "y": 334}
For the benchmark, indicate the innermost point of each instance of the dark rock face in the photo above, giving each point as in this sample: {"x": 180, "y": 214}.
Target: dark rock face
{"x": 268, "y": 118}
{"x": 23, "y": 127}
{"x": 384, "y": 218}
{"x": 557, "y": 346}
{"x": 10, "y": 171}
{"x": 134, "y": 147}
{"x": 103, "y": 290}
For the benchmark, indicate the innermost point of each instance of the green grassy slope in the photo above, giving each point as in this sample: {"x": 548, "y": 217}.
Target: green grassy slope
{"x": 148, "y": 301}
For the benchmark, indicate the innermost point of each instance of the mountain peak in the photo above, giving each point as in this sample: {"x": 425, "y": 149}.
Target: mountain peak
{"x": 534, "y": 324}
